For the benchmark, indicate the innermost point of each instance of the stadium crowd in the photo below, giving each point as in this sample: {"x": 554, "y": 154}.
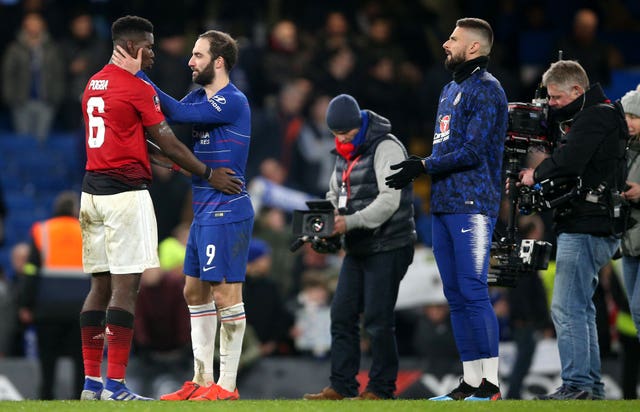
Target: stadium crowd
{"x": 294, "y": 58}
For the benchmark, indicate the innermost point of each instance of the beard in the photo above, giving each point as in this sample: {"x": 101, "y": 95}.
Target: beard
{"x": 206, "y": 76}
{"x": 453, "y": 61}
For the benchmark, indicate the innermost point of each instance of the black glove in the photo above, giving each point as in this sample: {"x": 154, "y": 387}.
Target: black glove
{"x": 326, "y": 245}
{"x": 409, "y": 170}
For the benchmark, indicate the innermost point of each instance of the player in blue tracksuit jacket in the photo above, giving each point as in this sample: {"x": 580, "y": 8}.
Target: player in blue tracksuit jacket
{"x": 465, "y": 168}
{"x": 218, "y": 245}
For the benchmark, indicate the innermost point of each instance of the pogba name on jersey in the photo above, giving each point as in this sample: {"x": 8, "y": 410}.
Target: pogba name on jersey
{"x": 98, "y": 84}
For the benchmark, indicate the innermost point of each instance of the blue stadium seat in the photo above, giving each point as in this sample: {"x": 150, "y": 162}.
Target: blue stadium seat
{"x": 621, "y": 82}
{"x": 12, "y": 143}
{"x": 17, "y": 201}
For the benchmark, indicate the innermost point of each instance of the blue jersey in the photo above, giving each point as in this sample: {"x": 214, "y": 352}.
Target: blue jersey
{"x": 468, "y": 143}
{"x": 221, "y": 133}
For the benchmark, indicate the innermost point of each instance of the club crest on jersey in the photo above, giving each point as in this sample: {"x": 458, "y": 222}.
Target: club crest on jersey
{"x": 444, "y": 123}
{"x": 443, "y": 126}
{"x": 156, "y": 102}
{"x": 457, "y": 99}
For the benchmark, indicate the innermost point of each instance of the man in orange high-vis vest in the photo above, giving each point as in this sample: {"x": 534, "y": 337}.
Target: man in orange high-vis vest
{"x": 53, "y": 289}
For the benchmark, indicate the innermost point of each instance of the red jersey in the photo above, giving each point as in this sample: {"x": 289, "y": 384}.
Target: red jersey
{"x": 116, "y": 107}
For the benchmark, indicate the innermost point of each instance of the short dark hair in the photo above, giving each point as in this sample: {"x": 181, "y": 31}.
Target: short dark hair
{"x": 221, "y": 44}
{"x": 130, "y": 26}
{"x": 66, "y": 203}
{"x": 479, "y": 25}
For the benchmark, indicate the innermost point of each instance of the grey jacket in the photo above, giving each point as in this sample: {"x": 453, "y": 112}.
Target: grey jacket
{"x": 16, "y": 76}
{"x": 631, "y": 239}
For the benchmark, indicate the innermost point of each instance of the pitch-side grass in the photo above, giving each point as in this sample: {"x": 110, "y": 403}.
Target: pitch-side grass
{"x": 321, "y": 406}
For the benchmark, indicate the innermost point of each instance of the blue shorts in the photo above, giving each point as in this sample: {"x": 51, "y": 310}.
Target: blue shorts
{"x": 219, "y": 252}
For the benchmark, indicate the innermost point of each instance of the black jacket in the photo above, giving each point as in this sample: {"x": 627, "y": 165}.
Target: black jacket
{"x": 594, "y": 150}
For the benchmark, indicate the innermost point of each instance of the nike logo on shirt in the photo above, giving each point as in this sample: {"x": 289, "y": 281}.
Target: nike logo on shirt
{"x": 465, "y": 230}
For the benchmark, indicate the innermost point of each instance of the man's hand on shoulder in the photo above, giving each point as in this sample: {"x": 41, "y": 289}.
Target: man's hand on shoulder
{"x": 222, "y": 179}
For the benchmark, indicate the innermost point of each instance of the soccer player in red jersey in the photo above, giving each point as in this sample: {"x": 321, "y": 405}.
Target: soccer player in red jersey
{"x": 118, "y": 221}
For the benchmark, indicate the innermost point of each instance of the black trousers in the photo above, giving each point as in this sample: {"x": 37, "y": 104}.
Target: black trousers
{"x": 58, "y": 338}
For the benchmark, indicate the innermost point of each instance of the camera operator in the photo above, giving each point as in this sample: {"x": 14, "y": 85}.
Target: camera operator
{"x": 594, "y": 140}
{"x": 379, "y": 234}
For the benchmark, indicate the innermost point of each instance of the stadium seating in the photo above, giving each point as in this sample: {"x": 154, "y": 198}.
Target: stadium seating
{"x": 33, "y": 173}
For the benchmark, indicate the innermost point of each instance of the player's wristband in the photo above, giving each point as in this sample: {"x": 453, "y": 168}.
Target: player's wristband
{"x": 207, "y": 173}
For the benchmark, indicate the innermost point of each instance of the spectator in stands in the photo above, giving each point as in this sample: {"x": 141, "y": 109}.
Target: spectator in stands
{"x": 33, "y": 78}
{"x": 379, "y": 41}
{"x": 277, "y": 126}
{"x": 269, "y": 189}
{"x": 171, "y": 72}
{"x": 338, "y": 72}
{"x": 84, "y": 53}
{"x": 312, "y": 163}
{"x": 171, "y": 195}
{"x": 19, "y": 257}
{"x": 336, "y": 34}
{"x": 631, "y": 240}
{"x": 3, "y": 215}
{"x": 312, "y": 313}
{"x": 54, "y": 287}
{"x": 162, "y": 337}
{"x": 583, "y": 44}
{"x": 528, "y": 312}
{"x": 285, "y": 59}
{"x": 433, "y": 340}
{"x": 265, "y": 306}
{"x": 7, "y": 314}
{"x": 271, "y": 226}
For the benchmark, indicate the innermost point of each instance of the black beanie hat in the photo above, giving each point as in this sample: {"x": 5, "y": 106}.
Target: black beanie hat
{"x": 343, "y": 113}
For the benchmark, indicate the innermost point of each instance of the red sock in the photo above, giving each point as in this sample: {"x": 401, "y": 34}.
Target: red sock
{"x": 119, "y": 333}
{"x": 92, "y": 334}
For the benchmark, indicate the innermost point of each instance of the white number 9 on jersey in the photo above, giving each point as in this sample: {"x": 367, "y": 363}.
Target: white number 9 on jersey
{"x": 95, "y": 122}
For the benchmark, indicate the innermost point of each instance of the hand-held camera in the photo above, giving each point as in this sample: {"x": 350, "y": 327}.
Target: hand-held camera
{"x": 315, "y": 226}
{"x": 548, "y": 194}
{"x": 512, "y": 257}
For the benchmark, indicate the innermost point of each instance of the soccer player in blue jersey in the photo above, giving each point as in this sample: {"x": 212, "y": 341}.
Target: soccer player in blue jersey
{"x": 218, "y": 243}
{"x": 465, "y": 168}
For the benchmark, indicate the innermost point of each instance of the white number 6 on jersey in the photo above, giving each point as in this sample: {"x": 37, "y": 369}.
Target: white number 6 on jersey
{"x": 95, "y": 122}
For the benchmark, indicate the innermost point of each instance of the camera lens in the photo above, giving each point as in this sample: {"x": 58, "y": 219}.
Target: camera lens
{"x": 317, "y": 224}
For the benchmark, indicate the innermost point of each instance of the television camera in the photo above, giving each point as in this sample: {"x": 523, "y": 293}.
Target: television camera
{"x": 512, "y": 257}
{"x": 315, "y": 226}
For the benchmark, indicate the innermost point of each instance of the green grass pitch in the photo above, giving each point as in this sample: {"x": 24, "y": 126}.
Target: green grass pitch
{"x": 321, "y": 406}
